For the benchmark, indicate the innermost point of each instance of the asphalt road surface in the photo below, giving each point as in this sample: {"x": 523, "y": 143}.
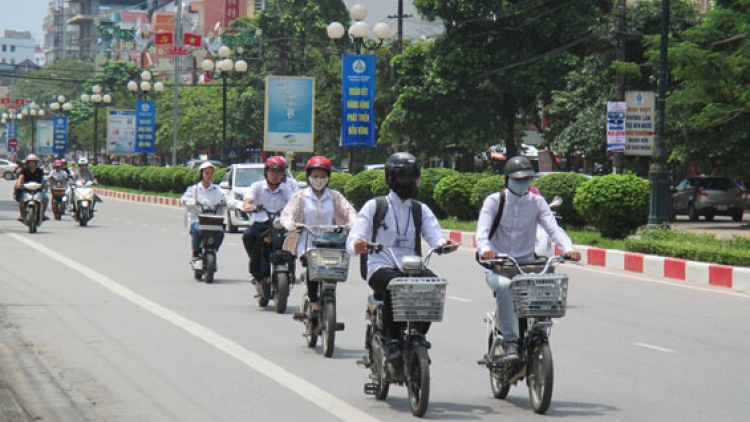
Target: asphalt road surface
{"x": 105, "y": 323}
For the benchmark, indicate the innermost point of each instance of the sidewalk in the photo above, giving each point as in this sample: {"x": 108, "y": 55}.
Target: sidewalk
{"x": 736, "y": 278}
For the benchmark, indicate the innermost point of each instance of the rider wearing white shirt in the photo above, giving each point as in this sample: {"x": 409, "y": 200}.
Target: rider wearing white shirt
{"x": 203, "y": 193}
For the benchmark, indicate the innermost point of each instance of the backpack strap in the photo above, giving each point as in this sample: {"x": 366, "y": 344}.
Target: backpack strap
{"x": 498, "y": 216}
{"x": 381, "y": 207}
{"x": 416, "y": 215}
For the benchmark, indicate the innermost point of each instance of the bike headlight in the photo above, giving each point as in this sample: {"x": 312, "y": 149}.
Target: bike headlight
{"x": 84, "y": 203}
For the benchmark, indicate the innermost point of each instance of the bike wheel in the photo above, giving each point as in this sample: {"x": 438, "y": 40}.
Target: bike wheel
{"x": 418, "y": 382}
{"x": 328, "y": 332}
{"x": 266, "y": 290}
{"x": 210, "y": 267}
{"x": 499, "y": 390}
{"x": 377, "y": 367}
{"x": 282, "y": 292}
{"x": 312, "y": 337}
{"x": 541, "y": 377}
{"x": 83, "y": 217}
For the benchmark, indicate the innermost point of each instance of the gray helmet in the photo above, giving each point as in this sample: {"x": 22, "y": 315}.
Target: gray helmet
{"x": 402, "y": 164}
{"x": 519, "y": 167}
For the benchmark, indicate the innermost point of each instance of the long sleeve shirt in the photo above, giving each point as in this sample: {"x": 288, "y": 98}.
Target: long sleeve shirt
{"x": 198, "y": 194}
{"x": 273, "y": 200}
{"x": 397, "y": 232}
{"x": 305, "y": 207}
{"x": 516, "y": 234}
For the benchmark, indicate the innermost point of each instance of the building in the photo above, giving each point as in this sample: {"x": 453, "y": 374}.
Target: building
{"x": 17, "y": 47}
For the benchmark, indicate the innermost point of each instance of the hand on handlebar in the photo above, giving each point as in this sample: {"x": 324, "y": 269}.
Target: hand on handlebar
{"x": 447, "y": 247}
{"x": 572, "y": 255}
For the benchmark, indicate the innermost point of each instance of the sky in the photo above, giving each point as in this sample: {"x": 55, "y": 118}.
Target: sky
{"x": 24, "y": 15}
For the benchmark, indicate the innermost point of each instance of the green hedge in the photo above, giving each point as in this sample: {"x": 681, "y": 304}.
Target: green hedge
{"x": 564, "y": 185}
{"x": 430, "y": 178}
{"x": 453, "y": 194}
{"x": 615, "y": 204}
{"x": 692, "y": 247}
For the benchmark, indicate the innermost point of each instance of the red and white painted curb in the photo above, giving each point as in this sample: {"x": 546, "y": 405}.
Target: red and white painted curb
{"x": 737, "y": 278}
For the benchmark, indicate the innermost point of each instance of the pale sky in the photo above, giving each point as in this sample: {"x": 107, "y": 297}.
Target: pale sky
{"x": 25, "y": 15}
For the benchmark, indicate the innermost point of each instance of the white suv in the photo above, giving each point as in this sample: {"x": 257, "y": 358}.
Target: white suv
{"x": 235, "y": 185}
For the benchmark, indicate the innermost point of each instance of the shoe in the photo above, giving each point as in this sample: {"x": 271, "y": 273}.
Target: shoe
{"x": 253, "y": 280}
{"x": 394, "y": 351}
{"x": 511, "y": 351}
{"x": 20, "y": 219}
{"x": 197, "y": 263}
{"x": 314, "y": 316}
{"x": 45, "y": 218}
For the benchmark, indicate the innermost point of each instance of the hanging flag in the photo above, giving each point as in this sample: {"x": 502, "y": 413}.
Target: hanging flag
{"x": 164, "y": 38}
{"x": 192, "y": 40}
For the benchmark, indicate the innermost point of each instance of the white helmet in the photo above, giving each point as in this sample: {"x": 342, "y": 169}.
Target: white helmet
{"x": 206, "y": 165}
{"x": 83, "y": 161}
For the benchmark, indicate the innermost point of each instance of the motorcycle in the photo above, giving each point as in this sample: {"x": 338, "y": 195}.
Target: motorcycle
{"x": 59, "y": 197}
{"x": 415, "y": 300}
{"x": 540, "y": 294}
{"x": 83, "y": 202}
{"x": 277, "y": 264}
{"x": 544, "y": 245}
{"x": 327, "y": 263}
{"x": 31, "y": 198}
{"x": 210, "y": 224}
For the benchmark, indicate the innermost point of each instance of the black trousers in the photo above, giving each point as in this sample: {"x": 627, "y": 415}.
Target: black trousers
{"x": 379, "y": 284}
{"x": 250, "y": 239}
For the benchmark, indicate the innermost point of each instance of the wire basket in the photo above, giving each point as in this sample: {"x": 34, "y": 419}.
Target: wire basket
{"x": 540, "y": 295}
{"x": 327, "y": 264}
{"x": 210, "y": 223}
{"x": 417, "y": 299}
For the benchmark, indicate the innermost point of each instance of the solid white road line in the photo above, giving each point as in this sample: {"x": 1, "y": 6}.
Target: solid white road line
{"x": 326, "y": 401}
{"x": 460, "y": 299}
{"x": 657, "y": 348}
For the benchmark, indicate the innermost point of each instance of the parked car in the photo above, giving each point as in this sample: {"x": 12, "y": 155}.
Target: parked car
{"x": 707, "y": 196}
{"x": 236, "y": 184}
{"x": 194, "y": 164}
{"x": 8, "y": 169}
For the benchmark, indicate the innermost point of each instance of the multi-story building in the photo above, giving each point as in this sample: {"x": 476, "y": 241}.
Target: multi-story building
{"x": 17, "y": 47}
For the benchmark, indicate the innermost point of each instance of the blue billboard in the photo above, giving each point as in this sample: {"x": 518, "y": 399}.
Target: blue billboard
{"x": 358, "y": 100}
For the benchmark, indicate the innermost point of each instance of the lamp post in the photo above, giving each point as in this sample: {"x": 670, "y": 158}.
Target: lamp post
{"x": 9, "y": 118}
{"x": 358, "y": 39}
{"x": 97, "y": 100}
{"x": 33, "y": 111}
{"x": 141, "y": 91}
{"x": 59, "y": 107}
{"x": 225, "y": 66}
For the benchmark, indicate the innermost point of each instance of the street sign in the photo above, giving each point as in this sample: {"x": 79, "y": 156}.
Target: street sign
{"x": 232, "y": 153}
{"x": 13, "y": 143}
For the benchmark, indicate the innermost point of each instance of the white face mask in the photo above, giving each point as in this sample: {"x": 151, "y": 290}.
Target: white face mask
{"x": 318, "y": 183}
{"x": 519, "y": 187}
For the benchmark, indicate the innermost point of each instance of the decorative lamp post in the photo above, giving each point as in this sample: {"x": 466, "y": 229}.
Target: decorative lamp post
{"x": 33, "y": 111}
{"x": 60, "y": 107}
{"x": 225, "y": 66}
{"x": 142, "y": 89}
{"x": 10, "y": 119}
{"x": 358, "y": 128}
{"x": 97, "y": 100}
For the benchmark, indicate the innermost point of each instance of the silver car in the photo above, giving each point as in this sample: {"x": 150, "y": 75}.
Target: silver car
{"x": 8, "y": 169}
{"x": 235, "y": 185}
{"x": 707, "y": 196}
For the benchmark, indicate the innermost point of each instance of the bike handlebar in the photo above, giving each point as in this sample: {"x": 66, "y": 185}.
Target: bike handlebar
{"x": 547, "y": 262}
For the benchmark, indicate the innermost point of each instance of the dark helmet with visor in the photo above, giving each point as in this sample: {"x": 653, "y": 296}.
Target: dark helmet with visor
{"x": 519, "y": 167}
{"x": 402, "y": 173}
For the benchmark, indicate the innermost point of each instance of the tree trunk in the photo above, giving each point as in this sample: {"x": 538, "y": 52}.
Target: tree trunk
{"x": 509, "y": 110}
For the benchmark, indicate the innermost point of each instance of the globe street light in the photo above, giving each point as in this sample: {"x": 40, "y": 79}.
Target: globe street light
{"x": 33, "y": 111}
{"x": 224, "y": 66}
{"x": 60, "y": 105}
{"x": 359, "y": 31}
{"x": 142, "y": 89}
{"x": 10, "y": 118}
{"x": 97, "y": 100}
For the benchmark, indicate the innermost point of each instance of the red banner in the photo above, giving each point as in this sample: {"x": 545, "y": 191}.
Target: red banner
{"x": 176, "y": 51}
{"x": 164, "y": 38}
{"x": 192, "y": 40}
{"x": 231, "y": 11}
{"x": 20, "y": 101}
{"x": 5, "y": 100}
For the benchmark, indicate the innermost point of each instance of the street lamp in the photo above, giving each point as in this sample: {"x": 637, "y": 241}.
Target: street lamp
{"x": 359, "y": 31}
{"x": 224, "y": 66}
{"x": 33, "y": 111}
{"x": 59, "y": 107}
{"x": 9, "y": 119}
{"x": 142, "y": 89}
{"x": 97, "y": 100}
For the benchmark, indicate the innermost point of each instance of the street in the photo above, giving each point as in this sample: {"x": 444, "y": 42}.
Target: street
{"x": 105, "y": 323}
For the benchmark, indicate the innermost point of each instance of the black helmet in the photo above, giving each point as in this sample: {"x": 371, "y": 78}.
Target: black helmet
{"x": 519, "y": 167}
{"x": 402, "y": 164}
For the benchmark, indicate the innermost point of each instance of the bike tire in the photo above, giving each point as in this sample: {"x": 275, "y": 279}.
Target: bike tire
{"x": 328, "y": 332}
{"x": 32, "y": 225}
{"x": 83, "y": 217}
{"x": 541, "y": 377}
{"x": 282, "y": 292}
{"x": 210, "y": 266}
{"x": 418, "y": 381}
{"x": 377, "y": 367}
{"x": 312, "y": 337}
{"x": 499, "y": 390}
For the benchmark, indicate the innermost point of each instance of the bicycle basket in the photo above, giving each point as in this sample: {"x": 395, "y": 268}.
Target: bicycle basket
{"x": 210, "y": 223}
{"x": 327, "y": 264}
{"x": 540, "y": 295}
{"x": 417, "y": 298}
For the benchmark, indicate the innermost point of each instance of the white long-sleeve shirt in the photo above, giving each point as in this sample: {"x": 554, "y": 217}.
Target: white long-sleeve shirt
{"x": 198, "y": 194}
{"x": 516, "y": 234}
{"x": 399, "y": 224}
{"x": 273, "y": 200}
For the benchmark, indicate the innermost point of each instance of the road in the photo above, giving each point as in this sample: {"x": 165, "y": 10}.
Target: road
{"x": 105, "y": 323}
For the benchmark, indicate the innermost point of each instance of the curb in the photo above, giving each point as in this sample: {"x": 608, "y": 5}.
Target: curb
{"x": 737, "y": 278}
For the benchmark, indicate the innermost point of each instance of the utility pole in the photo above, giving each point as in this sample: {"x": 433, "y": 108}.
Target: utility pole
{"x": 400, "y": 16}
{"x": 178, "y": 42}
{"x": 618, "y": 162}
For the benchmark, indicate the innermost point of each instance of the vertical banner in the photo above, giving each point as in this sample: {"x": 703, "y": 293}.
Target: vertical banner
{"x": 616, "y": 126}
{"x": 358, "y": 100}
{"x": 44, "y": 137}
{"x": 121, "y": 132}
{"x": 12, "y": 137}
{"x": 145, "y": 122}
{"x": 231, "y": 11}
{"x": 639, "y": 122}
{"x": 290, "y": 114}
{"x": 60, "y": 135}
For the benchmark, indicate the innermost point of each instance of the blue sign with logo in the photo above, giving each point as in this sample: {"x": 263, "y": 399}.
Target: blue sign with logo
{"x": 145, "y": 123}
{"x": 59, "y": 135}
{"x": 358, "y": 100}
{"x": 12, "y": 134}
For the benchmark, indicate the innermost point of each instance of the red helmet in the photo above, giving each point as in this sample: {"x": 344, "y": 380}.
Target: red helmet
{"x": 318, "y": 162}
{"x": 58, "y": 164}
{"x": 274, "y": 163}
